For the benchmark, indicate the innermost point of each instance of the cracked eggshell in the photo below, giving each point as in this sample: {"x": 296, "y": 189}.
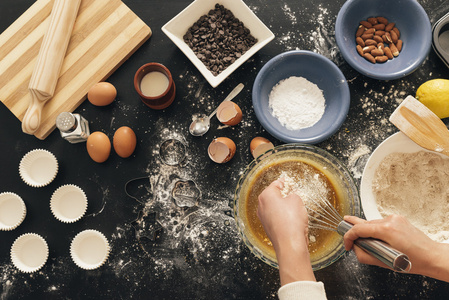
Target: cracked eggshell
{"x": 229, "y": 113}
{"x": 221, "y": 150}
{"x": 260, "y": 145}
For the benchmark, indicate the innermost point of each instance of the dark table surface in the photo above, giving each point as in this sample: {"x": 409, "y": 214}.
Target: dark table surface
{"x": 198, "y": 254}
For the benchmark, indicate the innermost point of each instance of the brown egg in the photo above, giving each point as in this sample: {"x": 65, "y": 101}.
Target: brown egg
{"x": 124, "y": 141}
{"x": 229, "y": 113}
{"x": 259, "y": 145}
{"x": 221, "y": 150}
{"x": 98, "y": 146}
{"x": 101, "y": 94}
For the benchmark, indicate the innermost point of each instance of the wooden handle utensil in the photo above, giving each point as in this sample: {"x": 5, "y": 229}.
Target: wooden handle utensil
{"x": 49, "y": 61}
{"x": 421, "y": 125}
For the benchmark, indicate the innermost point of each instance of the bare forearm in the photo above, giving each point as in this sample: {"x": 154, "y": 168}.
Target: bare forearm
{"x": 294, "y": 262}
{"x": 439, "y": 263}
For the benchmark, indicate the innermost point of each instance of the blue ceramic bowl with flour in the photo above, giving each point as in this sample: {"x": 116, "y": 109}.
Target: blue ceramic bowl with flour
{"x": 316, "y": 69}
{"x": 415, "y": 31}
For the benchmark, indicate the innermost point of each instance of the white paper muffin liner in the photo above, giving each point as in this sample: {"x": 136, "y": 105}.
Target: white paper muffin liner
{"x": 68, "y": 203}
{"x": 12, "y": 211}
{"x": 38, "y": 168}
{"x": 29, "y": 252}
{"x": 89, "y": 249}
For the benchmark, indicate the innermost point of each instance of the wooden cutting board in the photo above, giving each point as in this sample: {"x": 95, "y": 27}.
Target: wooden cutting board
{"x": 105, "y": 34}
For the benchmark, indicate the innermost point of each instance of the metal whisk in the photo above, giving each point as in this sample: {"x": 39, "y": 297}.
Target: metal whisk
{"x": 323, "y": 215}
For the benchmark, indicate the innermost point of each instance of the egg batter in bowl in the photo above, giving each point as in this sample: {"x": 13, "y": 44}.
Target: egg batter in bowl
{"x": 312, "y": 166}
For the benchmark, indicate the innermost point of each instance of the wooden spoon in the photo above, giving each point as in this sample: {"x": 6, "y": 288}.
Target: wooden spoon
{"x": 421, "y": 125}
{"x": 49, "y": 61}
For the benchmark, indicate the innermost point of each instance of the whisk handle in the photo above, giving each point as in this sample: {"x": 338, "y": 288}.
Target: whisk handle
{"x": 396, "y": 260}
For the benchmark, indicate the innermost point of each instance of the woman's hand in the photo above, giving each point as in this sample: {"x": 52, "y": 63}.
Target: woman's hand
{"x": 282, "y": 218}
{"x": 285, "y": 221}
{"x": 427, "y": 256}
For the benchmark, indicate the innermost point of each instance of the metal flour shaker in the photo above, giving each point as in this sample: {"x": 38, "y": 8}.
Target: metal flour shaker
{"x": 73, "y": 127}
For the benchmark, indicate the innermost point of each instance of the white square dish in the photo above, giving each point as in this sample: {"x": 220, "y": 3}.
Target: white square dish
{"x": 177, "y": 27}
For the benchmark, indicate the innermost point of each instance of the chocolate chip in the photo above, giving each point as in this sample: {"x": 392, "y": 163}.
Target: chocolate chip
{"x": 218, "y": 39}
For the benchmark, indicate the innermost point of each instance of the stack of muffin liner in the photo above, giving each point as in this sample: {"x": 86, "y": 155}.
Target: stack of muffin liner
{"x": 89, "y": 249}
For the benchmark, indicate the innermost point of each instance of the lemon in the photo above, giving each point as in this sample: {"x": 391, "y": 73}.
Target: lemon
{"x": 435, "y": 95}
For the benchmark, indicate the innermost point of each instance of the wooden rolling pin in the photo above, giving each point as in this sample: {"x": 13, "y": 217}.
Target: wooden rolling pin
{"x": 49, "y": 61}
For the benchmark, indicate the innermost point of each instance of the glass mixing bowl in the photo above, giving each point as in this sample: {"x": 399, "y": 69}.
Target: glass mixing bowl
{"x": 330, "y": 166}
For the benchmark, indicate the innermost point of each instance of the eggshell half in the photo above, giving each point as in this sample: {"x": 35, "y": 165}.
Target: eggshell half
{"x": 221, "y": 150}
{"x": 124, "y": 141}
{"x": 102, "y": 94}
{"x": 229, "y": 113}
{"x": 98, "y": 146}
{"x": 259, "y": 145}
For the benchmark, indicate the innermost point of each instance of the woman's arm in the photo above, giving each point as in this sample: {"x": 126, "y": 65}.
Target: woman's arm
{"x": 428, "y": 257}
{"x": 285, "y": 221}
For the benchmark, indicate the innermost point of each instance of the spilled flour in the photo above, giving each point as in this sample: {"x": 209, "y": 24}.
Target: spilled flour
{"x": 415, "y": 185}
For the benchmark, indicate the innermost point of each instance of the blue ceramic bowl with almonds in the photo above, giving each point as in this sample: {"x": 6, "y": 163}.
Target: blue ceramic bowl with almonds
{"x": 383, "y": 39}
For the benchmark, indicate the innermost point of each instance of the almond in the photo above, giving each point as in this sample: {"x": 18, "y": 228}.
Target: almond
{"x": 360, "y": 31}
{"x": 372, "y": 20}
{"x": 394, "y": 36}
{"x": 367, "y": 36}
{"x": 378, "y": 39}
{"x": 394, "y": 50}
{"x": 379, "y": 32}
{"x": 370, "y": 42}
{"x": 371, "y": 30}
{"x": 381, "y": 59}
{"x": 389, "y": 27}
{"x": 388, "y": 37}
{"x": 377, "y": 52}
{"x": 369, "y": 57}
{"x": 360, "y": 41}
{"x": 359, "y": 50}
{"x": 366, "y": 24}
{"x": 388, "y": 53}
{"x": 368, "y": 49}
{"x": 398, "y": 33}
{"x": 399, "y": 45}
{"x": 379, "y": 26}
{"x": 382, "y": 20}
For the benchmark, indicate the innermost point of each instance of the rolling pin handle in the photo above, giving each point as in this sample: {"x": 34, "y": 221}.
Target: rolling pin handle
{"x": 32, "y": 119}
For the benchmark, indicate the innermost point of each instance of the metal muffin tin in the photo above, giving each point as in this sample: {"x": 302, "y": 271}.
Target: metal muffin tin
{"x": 440, "y": 38}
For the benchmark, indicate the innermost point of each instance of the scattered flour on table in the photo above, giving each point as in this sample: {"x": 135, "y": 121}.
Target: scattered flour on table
{"x": 415, "y": 185}
{"x": 324, "y": 39}
{"x": 188, "y": 237}
{"x": 289, "y": 13}
{"x": 7, "y": 279}
{"x": 297, "y": 103}
{"x": 320, "y": 39}
{"x": 358, "y": 160}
